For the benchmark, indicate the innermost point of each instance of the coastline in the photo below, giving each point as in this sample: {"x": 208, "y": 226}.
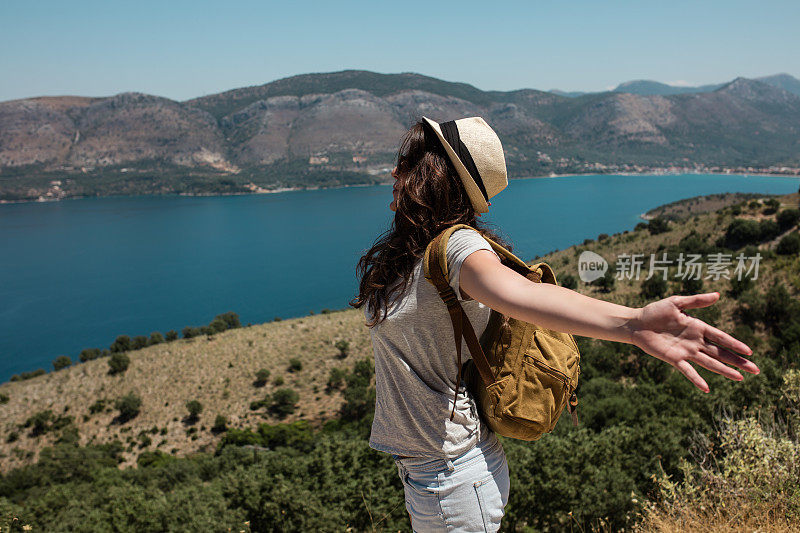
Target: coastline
{"x": 260, "y": 190}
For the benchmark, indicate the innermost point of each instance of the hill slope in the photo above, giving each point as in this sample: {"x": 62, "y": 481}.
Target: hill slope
{"x": 219, "y": 370}
{"x": 345, "y": 127}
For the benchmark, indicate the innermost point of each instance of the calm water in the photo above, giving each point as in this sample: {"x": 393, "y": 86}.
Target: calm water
{"x": 78, "y": 273}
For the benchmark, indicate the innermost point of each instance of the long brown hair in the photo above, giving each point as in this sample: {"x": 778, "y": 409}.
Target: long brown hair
{"x": 431, "y": 197}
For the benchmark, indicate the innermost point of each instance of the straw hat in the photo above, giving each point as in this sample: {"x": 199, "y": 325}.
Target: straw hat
{"x": 477, "y": 154}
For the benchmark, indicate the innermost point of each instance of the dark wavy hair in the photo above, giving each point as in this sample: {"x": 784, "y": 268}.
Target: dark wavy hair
{"x": 431, "y": 197}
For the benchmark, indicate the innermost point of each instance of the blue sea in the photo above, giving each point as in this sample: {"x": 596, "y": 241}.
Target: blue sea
{"x": 77, "y": 273}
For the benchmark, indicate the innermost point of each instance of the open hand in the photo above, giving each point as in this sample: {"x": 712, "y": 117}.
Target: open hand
{"x": 664, "y": 331}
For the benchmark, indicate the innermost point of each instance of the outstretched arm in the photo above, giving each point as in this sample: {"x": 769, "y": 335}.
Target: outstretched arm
{"x": 660, "y": 328}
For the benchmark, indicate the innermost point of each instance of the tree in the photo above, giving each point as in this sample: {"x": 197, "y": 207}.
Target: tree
{"x": 62, "y": 361}
{"x": 89, "y": 353}
{"x": 691, "y": 285}
{"x": 343, "y": 346}
{"x": 195, "y": 408}
{"x": 789, "y": 245}
{"x": 128, "y": 406}
{"x": 654, "y": 287}
{"x": 261, "y": 377}
{"x": 295, "y": 365}
{"x": 284, "y": 401}
{"x": 788, "y": 218}
{"x": 118, "y": 363}
{"x": 121, "y": 344}
{"x": 189, "y": 332}
{"x": 658, "y": 225}
{"x": 741, "y": 232}
{"x": 230, "y": 319}
{"x": 569, "y": 282}
{"x": 172, "y": 335}
{"x": 139, "y": 342}
{"x": 155, "y": 338}
{"x": 608, "y": 280}
{"x": 335, "y": 379}
{"x": 220, "y": 424}
{"x": 217, "y": 326}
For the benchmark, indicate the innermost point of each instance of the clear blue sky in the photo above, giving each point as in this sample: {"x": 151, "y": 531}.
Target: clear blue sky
{"x": 182, "y": 49}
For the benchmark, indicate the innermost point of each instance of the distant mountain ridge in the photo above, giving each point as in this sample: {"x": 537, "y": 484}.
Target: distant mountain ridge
{"x": 650, "y": 87}
{"x": 345, "y": 127}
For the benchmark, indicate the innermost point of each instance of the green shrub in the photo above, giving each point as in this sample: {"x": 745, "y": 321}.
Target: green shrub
{"x": 789, "y": 245}
{"x": 230, "y": 319}
{"x": 98, "y": 406}
{"x": 138, "y": 342}
{"x": 220, "y": 424}
{"x": 128, "y": 406}
{"x": 608, "y": 280}
{"x": 742, "y": 232}
{"x": 121, "y": 344}
{"x": 768, "y": 229}
{"x": 88, "y": 354}
{"x": 691, "y": 285}
{"x": 28, "y": 375}
{"x": 295, "y": 365}
{"x": 4, "y": 398}
{"x": 260, "y": 404}
{"x": 739, "y": 285}
{"x": 283, "y": 403}
{"x": 278, "y": 381}
{"x": 788, "y": 218}
{"x": 771, "y": 206}
{"x": 262, "y": 375}
{"x": 654, "y": 287}
{"x": 569, "y": 281}
{"x": 344, "y": 348}
{"x": 335, "y": 379}
{"x": 171, "y": 335}
{"x": 195, "y": 408}
{"x": 658, "y": 225}
{"x": 155, "y": 338}
{"x": 61, "y": 362}
{"x": 780, "y": 307}
{"x": 118, "y": 363}
{"x": 190, "y": 332}
{"x": 359, "y": 395}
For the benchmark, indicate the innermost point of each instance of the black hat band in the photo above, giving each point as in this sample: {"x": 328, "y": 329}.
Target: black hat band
{"x": 450, "y": 134}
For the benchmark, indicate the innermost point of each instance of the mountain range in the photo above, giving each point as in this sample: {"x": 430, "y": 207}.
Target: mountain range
{"x": 345, "y": 127}
{"x": 650, "y": 87}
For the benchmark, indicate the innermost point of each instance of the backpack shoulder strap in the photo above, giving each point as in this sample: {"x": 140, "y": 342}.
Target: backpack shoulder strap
{"x": 436, "y": 272}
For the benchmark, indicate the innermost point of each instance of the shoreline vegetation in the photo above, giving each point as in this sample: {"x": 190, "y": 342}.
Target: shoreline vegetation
{"x": 265, "y": 426}
{"x": 55, "y": 193}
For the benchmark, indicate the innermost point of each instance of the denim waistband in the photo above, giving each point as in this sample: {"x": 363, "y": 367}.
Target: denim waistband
{"x": 433, "y": 464}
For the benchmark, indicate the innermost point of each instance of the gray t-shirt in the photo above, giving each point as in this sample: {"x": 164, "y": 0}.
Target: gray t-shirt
{"x": 416, "y": 366}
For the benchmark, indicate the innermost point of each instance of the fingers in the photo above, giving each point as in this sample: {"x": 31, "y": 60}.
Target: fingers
{"x": 691, "y": 374}
{"x": 730, "y": 358}
{"x": 694, "y": 301}
{"x": 713, "y": 365}
{"x": 726, "y": 341}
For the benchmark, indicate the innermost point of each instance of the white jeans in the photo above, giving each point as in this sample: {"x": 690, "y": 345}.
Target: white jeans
{"x": 464, "y": 494}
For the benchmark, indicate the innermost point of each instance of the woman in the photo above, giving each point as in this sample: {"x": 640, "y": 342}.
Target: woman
{"x": 454, "y": 471}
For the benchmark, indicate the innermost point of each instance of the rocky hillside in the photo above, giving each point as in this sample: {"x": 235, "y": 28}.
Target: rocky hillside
{"x": 344, "y": 127}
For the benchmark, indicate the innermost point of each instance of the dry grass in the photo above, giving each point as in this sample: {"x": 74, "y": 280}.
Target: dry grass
{"x": 219, "y": 371}
{"x": 740, "y": 518}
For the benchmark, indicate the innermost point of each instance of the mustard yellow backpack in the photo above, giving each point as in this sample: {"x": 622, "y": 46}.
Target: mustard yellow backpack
{"x": 521, "y": 375}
